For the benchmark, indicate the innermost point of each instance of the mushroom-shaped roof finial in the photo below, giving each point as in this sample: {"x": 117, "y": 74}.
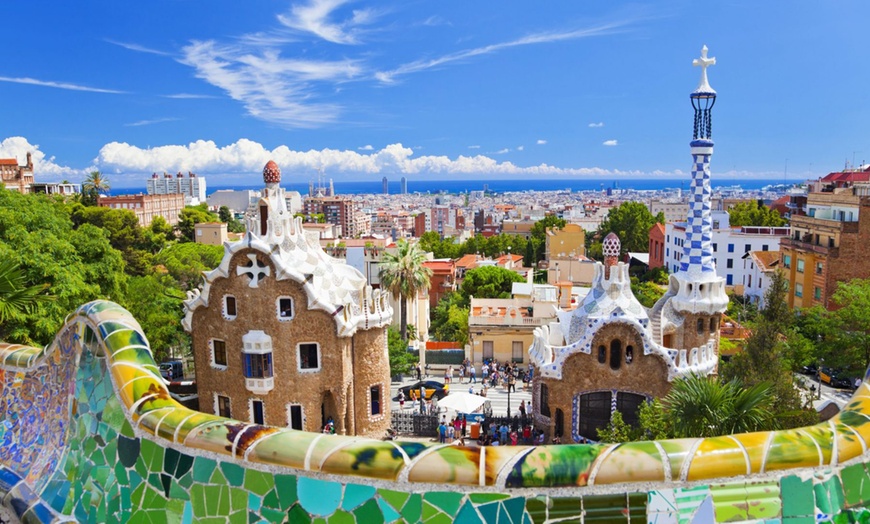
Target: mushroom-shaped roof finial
{"x": 611, "y": 245}
{"x": 271, "y": 173}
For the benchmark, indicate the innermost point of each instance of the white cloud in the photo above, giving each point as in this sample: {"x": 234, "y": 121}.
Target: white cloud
{"x": 541, "y": 142}
{"x": 272, "y": 88}
{"x": 610, "y": 143}
{"x": 315, "y": 18}
{"x": 474, "y": 147}
{"x": 57, "y": 85}
{"x": 539, "y": 38}
{"x": 367, "y": 147}
{"x": 44, "y": 169}
{"x": 596, "y": 124}
{"x": 188, "y": 96}
{"x": 503, "y": 151}
{"x": 151, "y": 121}
{"x": 248, "y": 157}
{"x": 138, "y": 48}
{"x": 520, "y": 148}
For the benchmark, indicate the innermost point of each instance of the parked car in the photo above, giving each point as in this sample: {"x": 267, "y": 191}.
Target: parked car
{"x": 836, "y": 378}
{"x": 431, "y": 387}
{"x": 810, "y": 369}
{"x": 171, "y": 370}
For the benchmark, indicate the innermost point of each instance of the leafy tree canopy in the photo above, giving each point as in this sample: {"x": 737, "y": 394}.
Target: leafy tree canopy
{"x": 191, "y": 216}
{"x": 488, "y": 282}
{"x": 754, "y": 214}
{"x": 631, "y": 221}
{"x": 185, "y": 262}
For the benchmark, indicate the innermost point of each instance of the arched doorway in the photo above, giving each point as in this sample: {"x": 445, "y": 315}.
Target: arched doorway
{"x": 559, "y": 429}
{"x": 329, "y": 411}
{"x": 593, "y": 412}
{"x": 628, "y": 404}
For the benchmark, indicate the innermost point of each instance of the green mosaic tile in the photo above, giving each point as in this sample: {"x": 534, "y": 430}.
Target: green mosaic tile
{"x": 483, "y": 498}
{"x": 467, "y": 515}
{"x": 186, "y": 480}
{"x": 341, "y": 517}
{"x": 369, "y": 513}
{"x": 394, "y": 498}
{"x": 763, "y": 500}
{"x": 413, "y": 509}
{"x": 356, "y": 494}
{"x": 729, "y": 502}
{"x": 234, "y": 473}
{"x": 318, "y": 497}
{"x": 239, "y": 517}
{"x": 637, "y": 507}
{"x": 855, "y": 484}
{"x": 217, "y": 477}
{"x": 390, "y": 514}
{"x": 561, "y": 507}
{"x": 270, "y": 500}
{"x": 202, "y": 469}
{"x": 177, "y": 492}
{"x": 516, "y": 508}
{"x": 537, "y": 509}
{"x": 429, "y": 511}
{"x": 197, "y": 500}
{"x": 152, "y": 455}
{"x": 605, "y": 509}
{"x": 273, "y": 515}
{"x": 258, "y": 482}
{"x": 489, "y": 511}
{"x": 446, "y": 501}
{"x": 829, "y": 495}
{"x": 285, "y": 486}
{"x": 298, "y": 515}
{"x": 238, "y": 499}
{"x": 797, "y": 497}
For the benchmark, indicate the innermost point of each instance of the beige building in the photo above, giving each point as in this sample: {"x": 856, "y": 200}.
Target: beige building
{"x": 146, "y": 207}
{"x": 502, "y": 329}
{"x": 568, "y": 241}
{"x": 211, "y": 233}
{"x": 285, "y": 335}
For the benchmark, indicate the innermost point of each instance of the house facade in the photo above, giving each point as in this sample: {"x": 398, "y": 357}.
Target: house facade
{"x": 285, "y": 335}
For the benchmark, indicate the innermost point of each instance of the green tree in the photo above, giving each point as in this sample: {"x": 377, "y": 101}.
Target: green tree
{"x": 535, "y": 247}
{"x": 95, "y": 184}
{"x": 617, "y": 430}
{"x": 156, "y": 302}
{"x": 16, "y": 296}
{"x": 647, "y": 293}
{"x": 699, "y": 406}
{"x": 488, "y": 282}
{"x": 754, "y": 214}
{"x": 185, "y": 262}
{"x": 631, "y": 221}
{"x": 191, "y": 216}
{"x": 401, "y": 360}
{"x": 431, "y": 242}
{"x": 763, "y": 359}
{"x": 233, "y": 225}
{"x": 449, "y": 320}
{"x": 848, "y": 328}
{"x": 403, "y": 274}
{"x": 653, "y": 422}
{"x": 124, "y": 233}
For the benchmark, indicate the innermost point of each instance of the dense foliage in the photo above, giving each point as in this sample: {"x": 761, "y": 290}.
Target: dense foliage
{"x": 754, "y": 214}
{"x": 631, "y": 221}
{"x": 403, "y": 274}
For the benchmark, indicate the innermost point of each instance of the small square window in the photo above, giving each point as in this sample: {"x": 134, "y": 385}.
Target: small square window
{"x": 800, "y": 265}
{"x": 285, "y": 308}
{"x": 730, "y": 248}
{"x": 817, "y": 293}
{"x": 820, "y": 268}
{"x": 729, "y": 264}
{"x": 219, "y": 352}
{"x": 309, "y": 357}
{"x": 798, "y": 290}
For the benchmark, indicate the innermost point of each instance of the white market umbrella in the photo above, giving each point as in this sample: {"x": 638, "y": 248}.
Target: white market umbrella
{"x": 462, "y": 402}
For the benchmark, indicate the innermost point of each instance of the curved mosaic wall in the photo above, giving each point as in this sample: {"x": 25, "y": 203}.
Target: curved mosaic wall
{"x": 90, "y": 434}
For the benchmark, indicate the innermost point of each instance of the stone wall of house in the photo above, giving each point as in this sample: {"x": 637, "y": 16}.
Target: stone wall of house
{"x": 371, "y": 369}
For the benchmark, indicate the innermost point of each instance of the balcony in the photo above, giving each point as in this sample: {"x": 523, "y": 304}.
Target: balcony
{"x": 799, "y": 245}
{"x": 509, "y": 321}
{"x": 260, "y": 386}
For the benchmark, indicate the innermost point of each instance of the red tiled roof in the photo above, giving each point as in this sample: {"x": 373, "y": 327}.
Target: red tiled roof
{"x": 467, "y": 261}
{"x": 8, "y": 161}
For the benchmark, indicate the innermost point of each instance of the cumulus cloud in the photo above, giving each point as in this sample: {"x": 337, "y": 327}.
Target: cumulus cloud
{"x": 316, "y": 18}
{"x": 541, "y": 142}
{"x": 44, "y": 168}
{"x": 367, "y": 147}
{"x": 247, "y": 157}
{"x": 610, "y": 143}
{"x": 520, "y": 148}
{"x": 596, "y": 124}
{"x": 503, "y": 151}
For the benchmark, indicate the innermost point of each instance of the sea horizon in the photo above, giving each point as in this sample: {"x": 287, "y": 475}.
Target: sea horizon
{"x": 494, "y": 186}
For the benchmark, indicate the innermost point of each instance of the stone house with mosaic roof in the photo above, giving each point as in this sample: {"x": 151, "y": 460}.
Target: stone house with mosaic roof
{"x": 285, "y": 335}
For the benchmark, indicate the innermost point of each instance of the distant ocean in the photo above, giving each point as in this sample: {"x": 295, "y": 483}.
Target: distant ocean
{"x": 497, "y": 186}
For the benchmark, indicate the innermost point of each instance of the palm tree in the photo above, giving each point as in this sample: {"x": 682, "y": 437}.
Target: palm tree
{"x": 698, "y": 406}
{"x": 16, "y": 297}
{"x": 404, "y": 275}
{"x": 95, "y": 184}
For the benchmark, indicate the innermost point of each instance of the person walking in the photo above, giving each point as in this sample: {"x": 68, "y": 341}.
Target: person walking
{"x": 401, "y": 400}
{"x": 471, "y": 373}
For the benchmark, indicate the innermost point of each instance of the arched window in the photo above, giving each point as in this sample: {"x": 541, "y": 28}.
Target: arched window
{"x": 700, "y": 326}
{"x": 559, "y": 430}
{"x": 713, "y": 325}
{"x": 615, "y": 354}
{"x": 264, "y": 218}
{"x": 629, "y": 354}
{"x": 545, "y": 400}
{"x": 602, "y": 354}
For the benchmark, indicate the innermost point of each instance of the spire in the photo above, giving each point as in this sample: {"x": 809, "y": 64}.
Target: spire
{"x": 697, "y": 259}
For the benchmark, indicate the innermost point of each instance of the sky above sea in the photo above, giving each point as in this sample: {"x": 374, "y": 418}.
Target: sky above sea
{"x": 431, "y": 90}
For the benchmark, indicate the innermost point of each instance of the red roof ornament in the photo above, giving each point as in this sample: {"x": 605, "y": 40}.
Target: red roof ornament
{"x": 272, "y": 173}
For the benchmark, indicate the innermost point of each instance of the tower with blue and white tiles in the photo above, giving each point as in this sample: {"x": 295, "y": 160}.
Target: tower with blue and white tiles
{"x": 691, "y": 309}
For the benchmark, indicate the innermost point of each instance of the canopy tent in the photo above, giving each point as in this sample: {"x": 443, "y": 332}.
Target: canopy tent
{"x": 462, "y": 402}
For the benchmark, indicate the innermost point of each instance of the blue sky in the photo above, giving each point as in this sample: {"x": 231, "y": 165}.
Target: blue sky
{"x": 449, "y": 89}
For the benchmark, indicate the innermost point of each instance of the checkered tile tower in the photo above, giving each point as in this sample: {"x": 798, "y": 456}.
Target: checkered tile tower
{"x": 699, "y": 289}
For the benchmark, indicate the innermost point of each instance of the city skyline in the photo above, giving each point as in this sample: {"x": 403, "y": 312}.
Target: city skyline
{"x": 364, "y": 90}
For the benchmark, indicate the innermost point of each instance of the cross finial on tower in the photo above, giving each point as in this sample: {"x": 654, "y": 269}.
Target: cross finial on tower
{"x": 704, "y": 63}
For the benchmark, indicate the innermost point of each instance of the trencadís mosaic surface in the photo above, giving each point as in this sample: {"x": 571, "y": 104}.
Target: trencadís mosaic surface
{"x": 90, "y": 434}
